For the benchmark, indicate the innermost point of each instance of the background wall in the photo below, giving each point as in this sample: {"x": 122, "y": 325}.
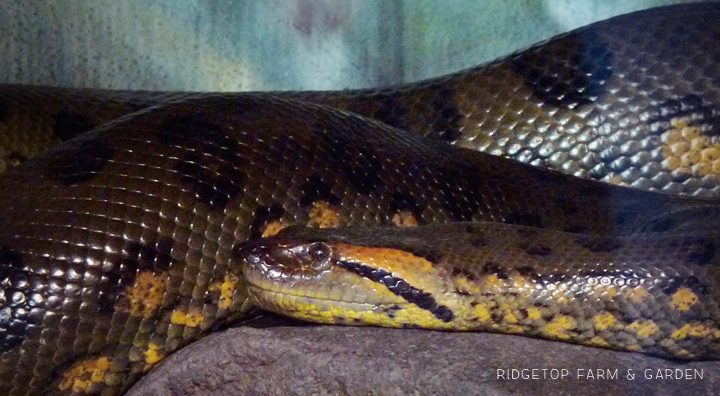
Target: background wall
{"x": 237, "y": 45}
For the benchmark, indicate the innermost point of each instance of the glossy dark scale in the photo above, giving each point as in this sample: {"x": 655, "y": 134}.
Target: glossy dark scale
{"x": 14, "y": 323}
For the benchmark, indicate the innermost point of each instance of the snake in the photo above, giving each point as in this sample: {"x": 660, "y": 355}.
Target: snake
{"x": 127, "y": 217}
{"x": 649, "y": 293}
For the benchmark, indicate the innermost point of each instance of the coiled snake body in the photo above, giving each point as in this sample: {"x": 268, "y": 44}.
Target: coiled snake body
{"x": 117, "y": 247}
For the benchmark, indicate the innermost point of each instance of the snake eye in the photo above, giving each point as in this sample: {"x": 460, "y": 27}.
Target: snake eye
{"x": 319, "y": 252}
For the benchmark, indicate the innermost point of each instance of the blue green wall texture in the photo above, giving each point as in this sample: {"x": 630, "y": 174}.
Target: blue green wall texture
{"x": 225, "y": 45}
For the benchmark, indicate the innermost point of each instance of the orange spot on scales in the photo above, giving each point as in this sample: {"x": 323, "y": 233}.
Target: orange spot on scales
{"x": 82, "y": 375}
{"x": 404, "y": 219}
{"x": 153, "y": 354}
{"x": 226, "y": 289}
{"x": 144, "y": 296}
{"x": 683, "y": 299}
{"x": 181, "y": 317}
{"x": 322, "y": 215}
{"x": 273, "y": 228}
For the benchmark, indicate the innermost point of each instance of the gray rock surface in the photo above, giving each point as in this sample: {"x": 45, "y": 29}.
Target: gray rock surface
{"x": 334, "y": 360}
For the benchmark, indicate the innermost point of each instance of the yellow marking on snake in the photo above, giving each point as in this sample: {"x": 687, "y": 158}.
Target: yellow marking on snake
{"x": 322, "y": 215}
{"x": 273, "y": 228}
{"x": 643, "y": 328}
{"x": 226, "y": 289}
{"x": 534, "y": 313}
{"x": 604, "y": 320}
{"x": 687, "y": 150}
{"x": 559, "y": 326}
{"x": 598, "y": 341}
{"x": 607, "y": 292}
{"x": 521, "y": 284}
{"x": 482, "y": 313}
{"x": 695, "y": 330}
{"x": 404, "y": 218}
{"x": 182, "y": 317}
{"x": 144, "y": 296}
{"x": 510, "y": 317}
{"x": 81, "y": 377}
{"x": 153, "y": 354}
{"x": 636, "y": 294}
{"x": 683, "y": 299}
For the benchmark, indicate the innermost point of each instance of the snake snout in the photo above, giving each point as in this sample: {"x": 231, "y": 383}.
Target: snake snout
{"x": 275, "y": 259}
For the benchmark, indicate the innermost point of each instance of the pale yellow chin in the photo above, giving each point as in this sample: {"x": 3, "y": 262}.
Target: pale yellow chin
{"x": 337, "y": 286}
{"x": 320, "y": 309}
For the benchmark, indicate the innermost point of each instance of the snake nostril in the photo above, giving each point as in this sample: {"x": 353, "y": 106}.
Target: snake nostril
{"x": 253, "y": 257}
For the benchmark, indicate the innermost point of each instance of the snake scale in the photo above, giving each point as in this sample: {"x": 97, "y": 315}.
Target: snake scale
{"x": 118, "y": 245}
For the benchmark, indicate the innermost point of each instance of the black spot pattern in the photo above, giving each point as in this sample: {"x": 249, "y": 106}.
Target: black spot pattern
{"x": 478, "y": 242}
{"x": 357, "y": 161}
{"x": 663, "y": 224}
{"x": 528, "y": 271}
{"x": 110, "y": 286}
{"x": 68, "y": 125}
{"x": 190, "y": 131}
{"x": 80, "y": 164}
{"x": 568, "y": 81}
{"x": 700, "y": 114}
{"x": 17, "y": 158}
{"x": 532, "y": 273}
{"x": 697, "y": 250}
{"x": 212, "y": 164}
{"x": 401, "y": 288}
{"x": 141, "y": 257}
{"x": 432, "y": 255}
{"x": 537, "y": 250}
{"x": 391, "y": 310}
{"x": 14, "y": 300}
{"x": 460, "y": 195}
{"x": 262, "y": 217}
{"x": 623, "y": 218}
{"x": 405, "y": 202}
{"x": 4, "y": 113}
{"x": 552, "y": 279}
{"x": 598, "y": 244}
{"x": 393, "y": 110}
{"x": 315, "y": 189}
{"x": 524, "y": 219}
{"x": 446, "y": 125}
{"x": 492, "y": 268}
{"x": 673, "y": 284}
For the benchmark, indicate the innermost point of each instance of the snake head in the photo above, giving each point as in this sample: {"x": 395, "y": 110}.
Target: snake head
{"x": 305, "y": 276}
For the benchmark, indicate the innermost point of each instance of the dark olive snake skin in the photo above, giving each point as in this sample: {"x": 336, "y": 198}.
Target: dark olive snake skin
{"x": 117, "y": 247}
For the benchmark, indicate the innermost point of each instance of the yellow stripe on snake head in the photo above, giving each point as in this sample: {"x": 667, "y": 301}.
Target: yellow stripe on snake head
{"x": 415, "y": 270}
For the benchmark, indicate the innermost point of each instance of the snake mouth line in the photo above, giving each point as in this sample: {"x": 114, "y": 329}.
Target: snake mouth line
{"x": 263, "y": 290}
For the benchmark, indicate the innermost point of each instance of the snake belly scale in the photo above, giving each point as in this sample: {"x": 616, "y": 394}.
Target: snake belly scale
{"x": 117, "y": 245}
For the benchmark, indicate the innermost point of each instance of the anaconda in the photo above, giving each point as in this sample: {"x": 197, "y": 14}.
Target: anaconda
{"x": 116, "y": 247}
{"x": 650, "y": 293}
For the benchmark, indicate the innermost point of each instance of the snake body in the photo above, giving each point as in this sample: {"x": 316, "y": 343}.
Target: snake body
{"x": 649, "y": 293}
{"x": 116, "y": 246}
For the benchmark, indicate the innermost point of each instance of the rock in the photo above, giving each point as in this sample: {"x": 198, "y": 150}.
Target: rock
{"x": 291, "y": 359}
